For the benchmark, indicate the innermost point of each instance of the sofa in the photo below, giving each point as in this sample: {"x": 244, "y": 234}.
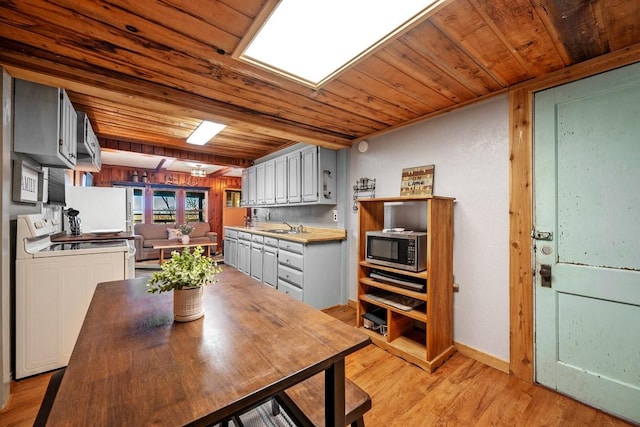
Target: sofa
{"x": 146, "y": 235}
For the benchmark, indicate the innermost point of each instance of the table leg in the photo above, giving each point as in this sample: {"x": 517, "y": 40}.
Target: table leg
{"x": 334, "y": 395}
{"x": 161, "y": 256}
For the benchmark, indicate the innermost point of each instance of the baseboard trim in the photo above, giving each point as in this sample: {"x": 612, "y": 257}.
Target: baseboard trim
{"x": 487, "y": 359}
{"x": 351, "y": 303}
{"x": 8, "y": 405}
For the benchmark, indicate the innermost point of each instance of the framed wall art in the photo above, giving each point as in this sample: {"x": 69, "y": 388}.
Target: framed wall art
{"x": 27, "y": 182}
{"x": 417, "y": 181}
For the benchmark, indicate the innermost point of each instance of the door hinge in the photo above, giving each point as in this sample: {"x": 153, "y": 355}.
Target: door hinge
{"x": 542, "y": 235}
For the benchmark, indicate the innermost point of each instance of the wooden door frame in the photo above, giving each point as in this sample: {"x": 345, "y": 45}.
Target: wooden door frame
{"x": 521, "y": 336}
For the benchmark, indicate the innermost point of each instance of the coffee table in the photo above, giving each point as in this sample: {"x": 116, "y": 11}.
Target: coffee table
{"x": 177, "y": 245}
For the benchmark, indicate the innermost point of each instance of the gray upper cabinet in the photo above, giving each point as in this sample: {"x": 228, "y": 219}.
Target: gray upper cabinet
{"x": 252, "y": 199}
{"x": 309, "y": 158}
{"x": 294, "y": 170}
{"x": 304, "y": 176}
{"x": 265, "y": 183}
{"x": 258, "y": 170}
{"x": 45, "y": 124}
{"x": 269, "y": 182}
{"x": 244, "y": 194}
{"x": 319, "y": 169}
{"x": 89, "y": 153}
{"x": 281, "y": 192}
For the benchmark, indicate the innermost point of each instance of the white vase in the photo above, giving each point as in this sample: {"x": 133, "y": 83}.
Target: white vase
{"x": 188, "y": 304}
{"x": 185, "y": 239}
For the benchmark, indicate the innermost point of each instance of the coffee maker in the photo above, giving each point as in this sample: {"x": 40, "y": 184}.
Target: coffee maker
{"x": 74, "y": 221}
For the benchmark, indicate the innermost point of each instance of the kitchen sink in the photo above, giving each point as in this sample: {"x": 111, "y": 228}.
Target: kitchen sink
{"x": 281, "y": 231}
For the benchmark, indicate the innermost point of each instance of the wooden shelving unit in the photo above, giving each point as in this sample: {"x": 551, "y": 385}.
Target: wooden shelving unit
{"x": 423, "y": 335}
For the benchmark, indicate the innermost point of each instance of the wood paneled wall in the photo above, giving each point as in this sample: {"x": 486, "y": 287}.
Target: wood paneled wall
{"x": 115, "y": 174}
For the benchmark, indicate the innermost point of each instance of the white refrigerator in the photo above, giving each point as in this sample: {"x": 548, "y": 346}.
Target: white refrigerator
{"x": 103, "y": 208}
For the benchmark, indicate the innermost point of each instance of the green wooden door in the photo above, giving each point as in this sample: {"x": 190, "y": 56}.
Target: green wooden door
{"x": 587, "y": 193}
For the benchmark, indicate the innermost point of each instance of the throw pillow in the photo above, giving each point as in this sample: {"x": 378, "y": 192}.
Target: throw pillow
{"x": 174, "y": 234}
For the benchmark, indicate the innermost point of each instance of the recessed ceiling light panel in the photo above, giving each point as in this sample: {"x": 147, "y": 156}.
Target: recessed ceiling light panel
{"x": 204, "y": 132}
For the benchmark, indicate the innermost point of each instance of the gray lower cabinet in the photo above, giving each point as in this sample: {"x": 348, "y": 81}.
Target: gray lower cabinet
{"x": 288, "y": 289}
{"x": 310, "y": 272}
{"x": 270, "y": 262}
{"x": 257, "y": 244}
{"x": 244, "y": 252}
{"x": 307, "y": 272}
{"x": 231, "y": 248}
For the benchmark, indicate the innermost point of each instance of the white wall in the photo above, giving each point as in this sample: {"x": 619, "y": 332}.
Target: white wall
{"x": 470, "y": 150}
{"x": 6, "y": 139}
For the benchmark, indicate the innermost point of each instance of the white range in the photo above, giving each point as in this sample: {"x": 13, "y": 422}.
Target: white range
{"x": 54, "y": 286}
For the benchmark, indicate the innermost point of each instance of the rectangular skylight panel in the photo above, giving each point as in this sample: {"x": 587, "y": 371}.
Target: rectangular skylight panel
{"x": 312, "y": 39}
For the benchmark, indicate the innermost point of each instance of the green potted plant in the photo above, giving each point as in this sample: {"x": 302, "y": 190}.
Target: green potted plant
{"x": 185, "y": 229}
{"x": 186, "y": 274}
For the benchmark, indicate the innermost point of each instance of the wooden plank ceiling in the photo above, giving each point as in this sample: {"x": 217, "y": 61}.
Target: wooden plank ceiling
{"x": 148, "y": 72}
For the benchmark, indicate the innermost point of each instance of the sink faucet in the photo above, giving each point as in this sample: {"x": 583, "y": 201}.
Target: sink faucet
{"x": 299, "y": 229}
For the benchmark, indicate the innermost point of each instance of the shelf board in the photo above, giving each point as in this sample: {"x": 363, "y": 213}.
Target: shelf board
{"x": 411, "y": 351}
{"x": 405, "y": 348}
{"x": 414, "y": 314}
{"x": 403, "y": 199}
{"x": 395, "y": 289}
{"x": 418, "y": 275}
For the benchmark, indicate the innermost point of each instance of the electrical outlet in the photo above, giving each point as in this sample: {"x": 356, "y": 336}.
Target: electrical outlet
{"x": 335, "y": 215}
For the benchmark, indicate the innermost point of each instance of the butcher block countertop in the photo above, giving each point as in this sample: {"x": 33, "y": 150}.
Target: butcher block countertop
{"x": 310, "y": 234}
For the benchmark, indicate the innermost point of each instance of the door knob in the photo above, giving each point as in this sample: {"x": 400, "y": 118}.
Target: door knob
{"x": 545, "y": 276}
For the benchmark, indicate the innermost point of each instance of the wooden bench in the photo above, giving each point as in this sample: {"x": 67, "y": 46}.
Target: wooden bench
{"x": 304, "y": 402}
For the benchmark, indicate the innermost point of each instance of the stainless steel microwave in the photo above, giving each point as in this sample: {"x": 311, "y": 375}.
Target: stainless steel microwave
{"x": 404, "y": 250}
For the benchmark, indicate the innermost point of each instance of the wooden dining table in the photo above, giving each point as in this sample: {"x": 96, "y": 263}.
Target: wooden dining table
{"x": 132, "y": 365}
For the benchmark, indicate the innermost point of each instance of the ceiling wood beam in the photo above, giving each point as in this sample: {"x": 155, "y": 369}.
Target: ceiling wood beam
{"x": 160, "y": 165}
{"x": 220, "y": 172}
{"x": 153, "y": 97}
{"x": 136, "y": 147}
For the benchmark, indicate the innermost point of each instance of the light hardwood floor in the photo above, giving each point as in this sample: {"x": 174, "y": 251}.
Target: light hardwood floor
{"x": 462, "y": 392}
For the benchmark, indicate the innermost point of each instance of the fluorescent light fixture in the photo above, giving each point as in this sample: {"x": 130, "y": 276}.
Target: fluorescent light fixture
{"x": 204, "y": 132}
{"x": 312, "y": 40}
